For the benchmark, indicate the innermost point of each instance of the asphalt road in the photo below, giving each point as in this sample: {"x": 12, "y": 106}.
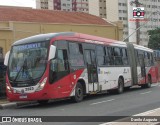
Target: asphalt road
{"x": 131, "y": 102}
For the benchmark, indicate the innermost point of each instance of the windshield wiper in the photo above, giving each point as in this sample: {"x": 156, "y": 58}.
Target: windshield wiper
{"x": 24, "y": 67}
{"x": 19, "y": 71}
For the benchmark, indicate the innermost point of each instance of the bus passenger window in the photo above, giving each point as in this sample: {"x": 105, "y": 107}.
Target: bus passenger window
{"x": 110, "y": 55}
{"x": 88, "y": 57}
{"x": 147, "y": 59}
{"x": 124, "y": 56}
{"x": 100, "y": 55}
{"x": 151, "y": 59}
{"x": 76, "y": 54}
{"x": 117, "y": 56}
{"x": 107, "y": 59}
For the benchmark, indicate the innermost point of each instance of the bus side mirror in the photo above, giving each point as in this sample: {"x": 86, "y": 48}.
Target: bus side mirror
{"x": 52, "y": 52}
{"x": 6, "y": 58}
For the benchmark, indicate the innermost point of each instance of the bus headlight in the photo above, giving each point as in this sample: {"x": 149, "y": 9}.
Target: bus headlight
{"x": 8, "y": 88}
{"x": 41, "y": 85}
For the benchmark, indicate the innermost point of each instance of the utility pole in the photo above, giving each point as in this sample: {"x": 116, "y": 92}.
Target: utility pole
{"x": 137, "y": 26}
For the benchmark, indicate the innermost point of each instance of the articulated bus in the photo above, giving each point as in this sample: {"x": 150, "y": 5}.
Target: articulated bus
{"x": 72, "y": 65}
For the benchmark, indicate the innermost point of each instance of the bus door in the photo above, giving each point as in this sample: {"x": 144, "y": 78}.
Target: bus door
{"x": 60, "y": 69}
{"x": 143, "y": 69}
{"x": 90, "y": 57}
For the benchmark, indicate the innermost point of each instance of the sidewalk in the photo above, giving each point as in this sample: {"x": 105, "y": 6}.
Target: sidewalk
{"x": 3, "y": 101}
{"x": 5, "y": 104}
{"x": 151, "y": 114}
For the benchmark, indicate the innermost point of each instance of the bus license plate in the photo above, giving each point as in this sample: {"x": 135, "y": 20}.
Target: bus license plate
{"x": 23, "y": 96}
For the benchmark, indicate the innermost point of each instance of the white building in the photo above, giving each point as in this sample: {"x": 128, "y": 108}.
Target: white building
{"x": 113, "y": 10}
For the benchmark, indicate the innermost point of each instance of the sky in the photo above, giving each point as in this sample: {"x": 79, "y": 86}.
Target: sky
{"x": 22, "y": 3}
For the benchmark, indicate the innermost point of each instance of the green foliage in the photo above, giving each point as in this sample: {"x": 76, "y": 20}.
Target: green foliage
{"x": 154, "y": 39}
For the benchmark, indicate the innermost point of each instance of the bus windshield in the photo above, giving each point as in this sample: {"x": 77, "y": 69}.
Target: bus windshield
{"x": 28, "y": 61}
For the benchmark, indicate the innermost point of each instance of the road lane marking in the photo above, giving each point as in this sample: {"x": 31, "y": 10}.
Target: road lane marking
{"x": 147, "y": 112}
{"x": 102, "y": 102}
{"x": 109, "y": 123}
{"x": 145, "y": 92}
{"x": 155, "y": 85}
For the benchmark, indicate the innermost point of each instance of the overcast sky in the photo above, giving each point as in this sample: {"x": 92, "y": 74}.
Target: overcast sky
{"x": 24, "y": 3}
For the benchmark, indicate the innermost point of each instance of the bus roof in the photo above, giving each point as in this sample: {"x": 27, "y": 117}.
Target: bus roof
{"x": 86, "y": 38}
{"x": 41, "y": 37}
{"x": 142, "y": 48}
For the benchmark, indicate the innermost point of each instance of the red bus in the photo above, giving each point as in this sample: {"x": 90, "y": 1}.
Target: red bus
{"x": 157, "y": 63}
{"x": 71, "y": 65}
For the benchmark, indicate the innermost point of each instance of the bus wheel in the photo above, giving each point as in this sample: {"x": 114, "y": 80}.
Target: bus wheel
{"x": 78, "y": 93}
{"x": 120, "y": 86}
{"x": 148, "y": 85}
{"x": 42, "y": 102}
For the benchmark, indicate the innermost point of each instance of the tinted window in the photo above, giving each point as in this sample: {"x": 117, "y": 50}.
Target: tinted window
{"x": 117, "y": 52}
{"x": 59, "y": 66}
{"x": 110, "y": 51}
{"x": 117, "y": 56}
{"x": 110, "y": 57}
{"x": 76, "y": 54}
{"x": 152, "y": 59}
{"x": 100, "y": 55}
{"x": 124, "y": 56}
{"x": 137, "y": 58}
{"x": 88, "y": 57}
{"x": 61, "y": 56}
{"x": 62, "y": 44}
{"x": 140, "y": 57}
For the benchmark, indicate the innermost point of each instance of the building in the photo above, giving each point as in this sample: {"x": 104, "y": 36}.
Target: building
{"x": 64, "y": 5}
{"x": 17, "y": 23}
{"x": 152, "y": 14}
{"x": 122, "y": 10}
{"x": 98, "y": 8}
{"x": 113, "y": 11}
{"x": 150, "y": 20}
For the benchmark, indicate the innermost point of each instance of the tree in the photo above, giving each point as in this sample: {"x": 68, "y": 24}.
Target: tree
{"x": 154, "y": 39}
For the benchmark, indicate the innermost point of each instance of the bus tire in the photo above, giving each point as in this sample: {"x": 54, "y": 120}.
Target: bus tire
{"x": 78, "y": 93}
{"x": 148, "y": 85}
{"x": 120, "y": 88}
{"x": 42, "y": 102}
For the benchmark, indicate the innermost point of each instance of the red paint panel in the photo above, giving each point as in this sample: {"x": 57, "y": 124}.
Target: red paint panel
{"x": 60, "y": 89}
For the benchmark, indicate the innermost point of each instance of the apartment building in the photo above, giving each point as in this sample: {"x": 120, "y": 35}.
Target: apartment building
{"x": 122, "y": 10}
{"x": 152, "y": 14}
{"x": 114, "y": 10}
{"x": 45, "y": 4}
{"x": 65, "y": 5}
{"x": 98, "y": 8}
{"x": 149, "y": 21}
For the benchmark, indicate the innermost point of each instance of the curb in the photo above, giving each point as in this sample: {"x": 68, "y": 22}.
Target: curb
{"x": 12, "y": 105}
